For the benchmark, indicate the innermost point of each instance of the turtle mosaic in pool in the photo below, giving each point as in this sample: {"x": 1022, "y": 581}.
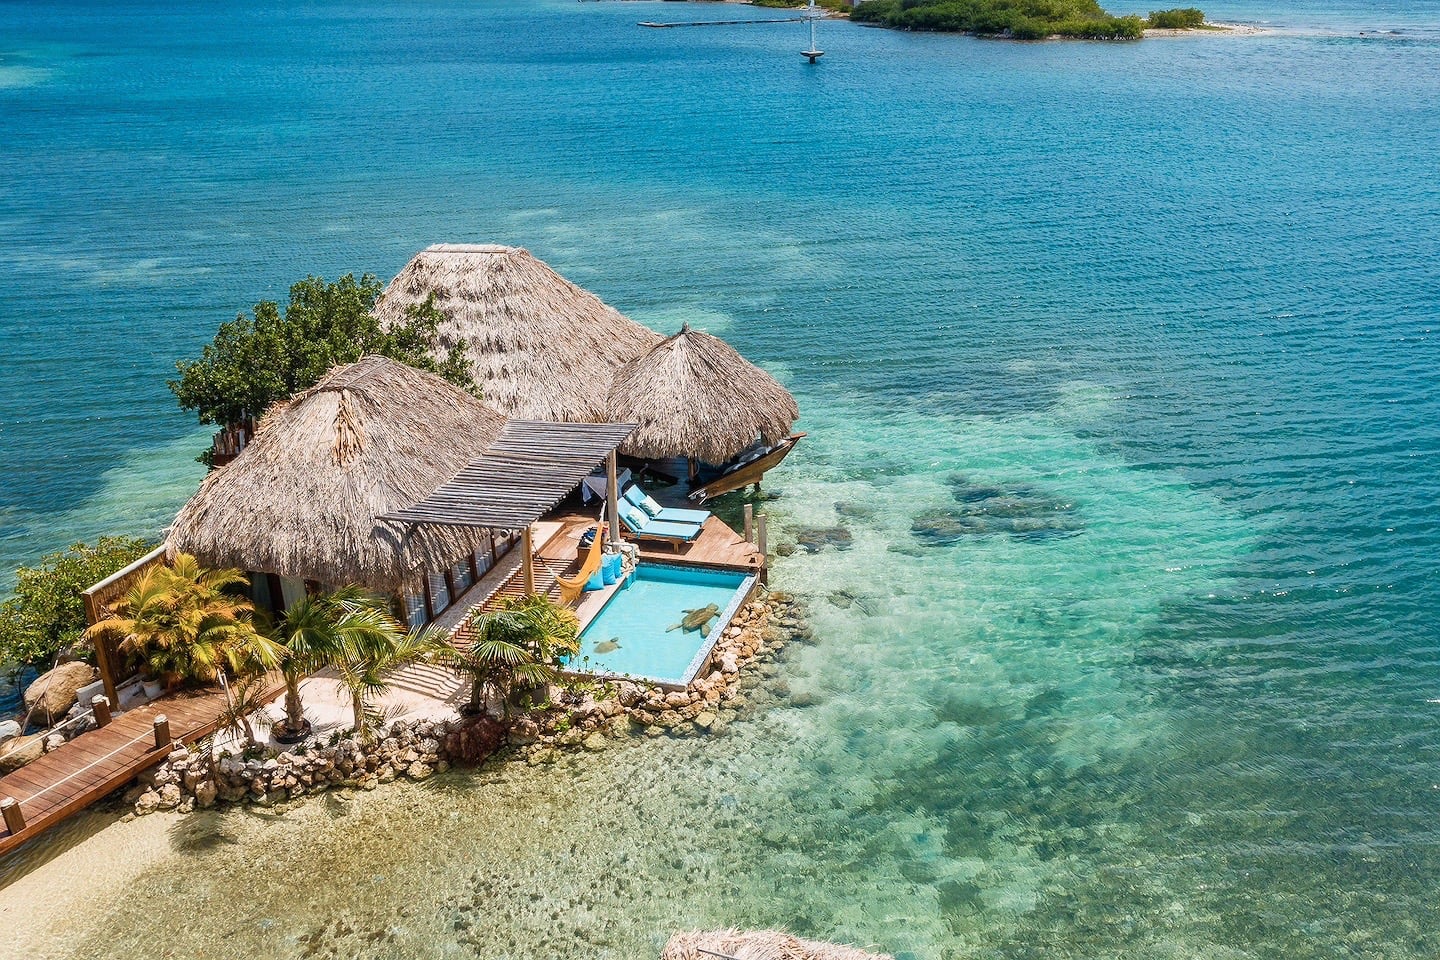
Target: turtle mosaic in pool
{"x": 662, "y": 624}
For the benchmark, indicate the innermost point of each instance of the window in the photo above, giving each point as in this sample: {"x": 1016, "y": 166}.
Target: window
{"x": 414, "y": 610}
{"x": 460, "y": 573}
{"x": 439, "y": 592}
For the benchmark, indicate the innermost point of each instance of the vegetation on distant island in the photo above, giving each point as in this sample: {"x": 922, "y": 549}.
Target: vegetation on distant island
{"x": 268, "y": 356}
{"x": 834, "y": 6}
{"x": 1015, "y": 19}
{"x": 1181, "y": 18}
{"x": 47, "y": 613}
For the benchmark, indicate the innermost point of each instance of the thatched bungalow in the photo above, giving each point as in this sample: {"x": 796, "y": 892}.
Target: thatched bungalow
{"x": 389, "y": 478}
{"x": 694, "y": 397}
{"x": 541, "y": 348}
{"x": 300, "y": 504}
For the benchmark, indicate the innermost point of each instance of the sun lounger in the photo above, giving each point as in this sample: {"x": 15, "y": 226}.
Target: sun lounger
{"x": 653, "y": 510}
{"x": 643, "y": 527}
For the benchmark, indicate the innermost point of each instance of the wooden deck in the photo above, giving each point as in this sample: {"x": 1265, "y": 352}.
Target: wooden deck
{"x": 559, "y": 555}
{"x": 68, "y": 780}
{"x": 717, "y": 545}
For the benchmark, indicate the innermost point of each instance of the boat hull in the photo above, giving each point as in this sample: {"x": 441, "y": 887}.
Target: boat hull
{"x": 747, "y": 473}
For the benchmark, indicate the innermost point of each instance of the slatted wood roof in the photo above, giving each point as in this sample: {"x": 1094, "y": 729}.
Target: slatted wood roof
{"x": 529, "y": 468}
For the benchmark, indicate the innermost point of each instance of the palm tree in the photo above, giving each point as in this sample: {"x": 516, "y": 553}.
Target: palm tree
{"x": 315, "y": 631}
{"x": 374, "y": 645}
{"x": 184, "y": 622}
{"x": 515, "y": 649}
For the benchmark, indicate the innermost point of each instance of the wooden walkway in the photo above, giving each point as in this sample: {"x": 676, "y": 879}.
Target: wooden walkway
{"x": 68, "y": 780}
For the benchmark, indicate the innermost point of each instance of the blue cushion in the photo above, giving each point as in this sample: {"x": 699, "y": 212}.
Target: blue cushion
{"x": 680, "y": 515}
{"x": 595, "y": 582}
{"x": 635, "y": 495}
{"x": 672, "y": 531}
{"x": 633, "y": 516}
{"x": 610, "y": 567}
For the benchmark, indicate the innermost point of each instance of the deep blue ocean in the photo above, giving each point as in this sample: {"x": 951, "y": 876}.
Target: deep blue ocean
{"x": 1120, "y": 368}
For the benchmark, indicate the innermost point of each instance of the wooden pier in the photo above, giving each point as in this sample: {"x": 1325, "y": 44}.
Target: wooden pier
{"x": 60, "y": 784}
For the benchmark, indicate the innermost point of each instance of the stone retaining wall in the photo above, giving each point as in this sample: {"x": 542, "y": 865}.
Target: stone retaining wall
{"x": 583, "y": 715}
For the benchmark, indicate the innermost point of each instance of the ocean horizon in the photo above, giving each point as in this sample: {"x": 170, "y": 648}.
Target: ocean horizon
{"x": 1174, "y": 299}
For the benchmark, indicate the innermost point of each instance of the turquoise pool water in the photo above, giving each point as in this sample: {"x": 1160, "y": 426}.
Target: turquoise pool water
{"x": 638, "y": 618}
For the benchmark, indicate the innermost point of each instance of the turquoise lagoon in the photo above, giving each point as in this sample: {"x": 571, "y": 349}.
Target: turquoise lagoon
{"x": 1118, "y": 363}
{"x": 638, "y": 633}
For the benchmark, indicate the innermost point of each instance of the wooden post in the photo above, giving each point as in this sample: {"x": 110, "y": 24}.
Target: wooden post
{"x": 527, "y": 561}
{"x": 101, "y": 706}
{"x": 162, "y": 732}
{"x": 14, "y": 818}
{"x": 749, "y": 523}
{"x": 760, "y": 535}
{"x": 102, "y": 648}
{"x": 612, "y": 497}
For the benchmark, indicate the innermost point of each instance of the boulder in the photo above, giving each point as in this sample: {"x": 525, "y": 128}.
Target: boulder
{"x": 418, "y": 771}
{"x": 54, "y": 692}
{"x": 170, "y": 796}
{"x": 9, "y": 730}
{"x": 149, "y": 802}
{"x": 595, "y": 742}
{"x": 205, "y": 793}
{"x": 15, "y": 753}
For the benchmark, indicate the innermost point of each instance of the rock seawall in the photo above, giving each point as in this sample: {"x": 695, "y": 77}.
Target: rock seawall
{"x": 586, "y": 715}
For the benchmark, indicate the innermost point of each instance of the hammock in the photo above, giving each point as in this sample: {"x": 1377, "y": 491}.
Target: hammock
{"x": 572, "y": 587}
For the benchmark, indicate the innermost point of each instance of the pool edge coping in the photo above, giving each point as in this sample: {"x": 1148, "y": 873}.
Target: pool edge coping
{"x": 744, "y": 591}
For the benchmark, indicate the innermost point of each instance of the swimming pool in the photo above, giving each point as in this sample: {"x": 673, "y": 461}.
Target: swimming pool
{"x": 632, "y": 635}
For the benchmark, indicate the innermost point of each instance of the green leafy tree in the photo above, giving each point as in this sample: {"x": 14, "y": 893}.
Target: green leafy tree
{"x": 47, "y": 614}
{"x": 183, "y": 622}
{"x": 258, "y": 359}
{"x": 515, "y": 649}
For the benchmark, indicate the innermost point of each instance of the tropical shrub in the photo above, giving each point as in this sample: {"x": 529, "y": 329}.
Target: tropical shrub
{"x": 321, "y": 630}
{"x": 373, "y": 645}
{"x": 183, "y": 622}
{"x": 515, "y": 649}
{"x": 47, "y": 613}
{"x": 1181, "y": 18}
{"x": 268, "y": 356}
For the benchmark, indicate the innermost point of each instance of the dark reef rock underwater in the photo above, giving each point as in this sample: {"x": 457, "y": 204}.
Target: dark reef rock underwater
{"x": 983, "y": 509}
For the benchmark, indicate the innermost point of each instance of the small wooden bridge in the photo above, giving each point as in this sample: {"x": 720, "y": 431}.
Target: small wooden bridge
{"x": 60, "y": 784}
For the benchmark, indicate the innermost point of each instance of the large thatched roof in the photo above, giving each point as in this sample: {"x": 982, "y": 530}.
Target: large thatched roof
{"x": 540, "y": 347}
{"x": 692, "y": 395}
{"x": 302, "y": 498}
{"x": 760, "y": 945}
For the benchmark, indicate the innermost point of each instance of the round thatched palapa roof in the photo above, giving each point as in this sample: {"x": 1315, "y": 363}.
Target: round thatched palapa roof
{"x": 540, "y": 347}
{"x": 760, "y": 945}
{"x": 694, "y": 396}
{"x": 302, "y": 498}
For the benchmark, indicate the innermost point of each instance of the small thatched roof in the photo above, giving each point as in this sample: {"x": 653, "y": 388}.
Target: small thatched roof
{"x": 693, "y": 396}
{"x": 302, "y": 498}
{"x": 760, "y": 945}
{"x": 540, "y": 347}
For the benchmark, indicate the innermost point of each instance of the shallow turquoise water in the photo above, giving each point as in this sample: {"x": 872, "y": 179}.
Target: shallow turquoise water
{"x": 639, "y": 618}
{"x": 1119, "y": 368}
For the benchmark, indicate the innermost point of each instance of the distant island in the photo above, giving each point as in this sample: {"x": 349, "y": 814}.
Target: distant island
{"x": 1011, "y": 19}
